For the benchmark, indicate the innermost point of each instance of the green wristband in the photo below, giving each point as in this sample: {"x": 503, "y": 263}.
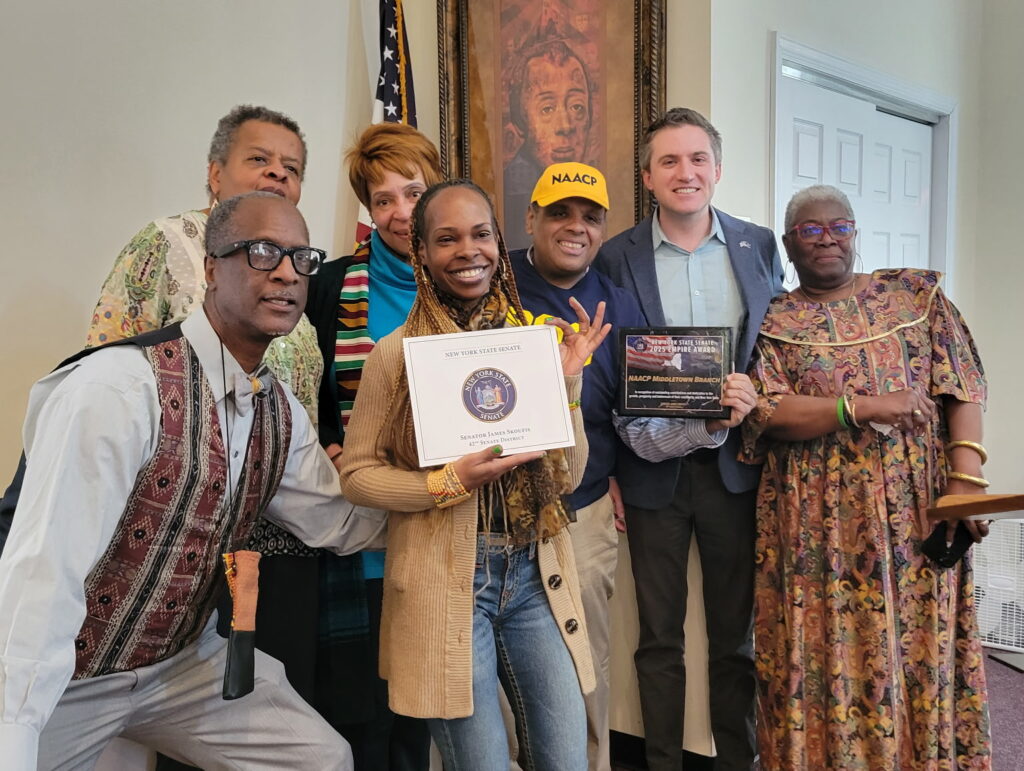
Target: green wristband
{"x": 841, "y": 413}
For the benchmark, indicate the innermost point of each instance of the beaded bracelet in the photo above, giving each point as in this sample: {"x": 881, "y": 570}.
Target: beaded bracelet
{"x": 574, "y": 405}
{"x": 979, "y": 481}
{"x": 446, "y": 487}
{"x": 976, "y": 446}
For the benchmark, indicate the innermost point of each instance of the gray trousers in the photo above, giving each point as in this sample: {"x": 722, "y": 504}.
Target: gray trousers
{"x": 659, "y": 545}
{"x": 175, "y": 707}
{"x": 595, "y": 544}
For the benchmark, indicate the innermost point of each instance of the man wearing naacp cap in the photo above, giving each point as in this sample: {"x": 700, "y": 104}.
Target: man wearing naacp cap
{"x": 566, "y": 221}
{"x": 146, "y": 459}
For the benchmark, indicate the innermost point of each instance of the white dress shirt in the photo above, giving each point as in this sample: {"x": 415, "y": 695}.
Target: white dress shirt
{"x": 90, "y": 428}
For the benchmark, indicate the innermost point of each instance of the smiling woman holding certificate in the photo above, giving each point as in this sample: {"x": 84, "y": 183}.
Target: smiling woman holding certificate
{"x": 480, "y": 582}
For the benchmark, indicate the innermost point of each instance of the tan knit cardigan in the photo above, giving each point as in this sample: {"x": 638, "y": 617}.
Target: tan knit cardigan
{"x": 426, "y": 636}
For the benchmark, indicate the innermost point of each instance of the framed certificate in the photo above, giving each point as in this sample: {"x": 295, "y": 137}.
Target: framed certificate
{"x": 674, "y": 372}
{"x": 473, "y": 390}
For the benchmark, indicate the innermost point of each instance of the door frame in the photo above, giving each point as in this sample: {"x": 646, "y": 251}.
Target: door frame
{"x": 895, "y": 96}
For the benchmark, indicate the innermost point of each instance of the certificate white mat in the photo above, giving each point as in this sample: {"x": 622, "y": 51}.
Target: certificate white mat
{"x": 474, "y": 390}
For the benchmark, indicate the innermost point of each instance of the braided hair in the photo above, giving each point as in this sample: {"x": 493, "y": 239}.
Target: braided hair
{"x": 435, "y": 312}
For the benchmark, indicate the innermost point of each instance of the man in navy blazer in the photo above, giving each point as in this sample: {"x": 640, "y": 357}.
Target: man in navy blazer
{"x": 691, "y": 265}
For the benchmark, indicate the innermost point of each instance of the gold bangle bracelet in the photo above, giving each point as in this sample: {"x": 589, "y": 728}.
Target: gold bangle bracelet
{"x": 968, "y": 478}
{"x": 851, "y": 411}
{"x": 976, "y": 446}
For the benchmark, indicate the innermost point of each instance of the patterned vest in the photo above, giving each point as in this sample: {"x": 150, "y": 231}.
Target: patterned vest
{"x": 153, "y": 590}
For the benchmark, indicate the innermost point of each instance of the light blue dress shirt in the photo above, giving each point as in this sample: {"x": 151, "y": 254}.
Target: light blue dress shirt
{"x": 698, "y": 288}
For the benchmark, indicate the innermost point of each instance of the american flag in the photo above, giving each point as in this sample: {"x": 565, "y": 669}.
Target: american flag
{"x": 648, "y": 352}
{"x": 395, "y": 101}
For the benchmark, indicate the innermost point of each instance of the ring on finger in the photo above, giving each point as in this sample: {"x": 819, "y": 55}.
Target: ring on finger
{"x": 918, "y": 413}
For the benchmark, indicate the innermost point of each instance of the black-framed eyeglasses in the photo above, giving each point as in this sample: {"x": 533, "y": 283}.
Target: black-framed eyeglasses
{"x": 840, "y": 230}
{"x": 266, "y": 255}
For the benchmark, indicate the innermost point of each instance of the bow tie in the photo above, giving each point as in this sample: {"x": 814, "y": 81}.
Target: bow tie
{"x": 245, "y": 387}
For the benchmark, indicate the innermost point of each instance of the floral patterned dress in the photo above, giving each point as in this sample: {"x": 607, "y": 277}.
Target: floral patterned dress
{"x": 867, "y": 654}
{"x": 158, "y": 279}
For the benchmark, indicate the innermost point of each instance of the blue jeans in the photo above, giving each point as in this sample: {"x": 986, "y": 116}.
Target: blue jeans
{"x": 516, "y": 639}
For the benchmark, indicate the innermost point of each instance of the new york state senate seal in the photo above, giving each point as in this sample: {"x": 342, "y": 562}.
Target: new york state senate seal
{"x": 489, "y": 395}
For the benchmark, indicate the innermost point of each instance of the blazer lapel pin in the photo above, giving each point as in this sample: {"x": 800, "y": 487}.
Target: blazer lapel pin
{"x": 744, "y": 244}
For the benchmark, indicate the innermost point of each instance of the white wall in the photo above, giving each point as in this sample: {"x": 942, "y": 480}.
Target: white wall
{"x": 107, "y": 112}
{"x": 932, "y": 43}
{"x": 108, "y": 108}
{"x": 949, "y": 46}
{"x": 997, "y": 319}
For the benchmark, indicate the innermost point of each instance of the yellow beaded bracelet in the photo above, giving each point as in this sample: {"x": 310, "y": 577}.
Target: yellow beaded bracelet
{"x": 446, "y": 487}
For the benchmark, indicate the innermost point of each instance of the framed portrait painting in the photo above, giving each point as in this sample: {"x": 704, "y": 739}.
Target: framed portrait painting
{"x": 528, "y": 83}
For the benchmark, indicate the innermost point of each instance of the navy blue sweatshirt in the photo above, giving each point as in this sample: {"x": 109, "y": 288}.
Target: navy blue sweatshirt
{"x": 541, "y": 301}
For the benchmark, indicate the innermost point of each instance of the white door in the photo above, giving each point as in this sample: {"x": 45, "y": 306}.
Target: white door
{"x": 883, "y": 163}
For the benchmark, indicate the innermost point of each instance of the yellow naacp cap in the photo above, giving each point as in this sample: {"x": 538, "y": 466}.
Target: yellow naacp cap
{"x": 570, "y": 180}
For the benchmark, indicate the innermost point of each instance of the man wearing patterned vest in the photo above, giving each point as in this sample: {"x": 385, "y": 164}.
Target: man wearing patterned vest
{"x": 146, "y": 461}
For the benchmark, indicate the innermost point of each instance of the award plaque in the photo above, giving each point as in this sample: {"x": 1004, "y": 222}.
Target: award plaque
{"x": 674, "y": 372}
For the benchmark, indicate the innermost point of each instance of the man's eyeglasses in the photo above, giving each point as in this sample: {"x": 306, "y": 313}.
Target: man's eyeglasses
{"x": 840, "y": 230}
{"x": 266, "y": 255}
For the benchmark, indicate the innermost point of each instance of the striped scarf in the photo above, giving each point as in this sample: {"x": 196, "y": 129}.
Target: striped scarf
{"x": 353, "y": 343}
{"x": 344, "y": 659}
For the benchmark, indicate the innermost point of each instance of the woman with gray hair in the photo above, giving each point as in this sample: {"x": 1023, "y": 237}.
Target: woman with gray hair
{"x": 870, "y": 394}
{"x": 158, "y": 279}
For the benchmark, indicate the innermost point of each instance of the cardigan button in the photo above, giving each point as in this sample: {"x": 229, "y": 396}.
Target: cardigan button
{"x": 555, "y": 581}
{"x": 572, "y": 626}
{"x": 80, "y": 644}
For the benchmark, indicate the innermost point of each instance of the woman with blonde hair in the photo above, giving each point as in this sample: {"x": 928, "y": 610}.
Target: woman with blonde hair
{"x": 353, "y": 302}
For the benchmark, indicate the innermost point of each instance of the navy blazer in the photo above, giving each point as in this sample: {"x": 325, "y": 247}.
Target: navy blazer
{"x": 628, "y": 259}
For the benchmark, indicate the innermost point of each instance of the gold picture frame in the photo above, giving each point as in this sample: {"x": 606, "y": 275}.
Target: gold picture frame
{"x": 524, "y": 83}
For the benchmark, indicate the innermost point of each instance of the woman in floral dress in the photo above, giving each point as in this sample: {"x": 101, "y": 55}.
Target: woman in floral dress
{"x": 870, "y": 392}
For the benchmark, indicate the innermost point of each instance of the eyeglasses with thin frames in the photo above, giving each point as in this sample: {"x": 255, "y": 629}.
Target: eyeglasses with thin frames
{"x": 266, "y": 255}
{"x": 840, "y": 230}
